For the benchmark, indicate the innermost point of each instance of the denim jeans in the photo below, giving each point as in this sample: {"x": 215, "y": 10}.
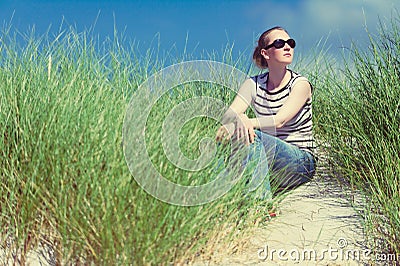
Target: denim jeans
{"x": 278, "y": 163}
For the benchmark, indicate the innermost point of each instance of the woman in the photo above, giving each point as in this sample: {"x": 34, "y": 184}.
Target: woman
{"x": 281, "y": 101}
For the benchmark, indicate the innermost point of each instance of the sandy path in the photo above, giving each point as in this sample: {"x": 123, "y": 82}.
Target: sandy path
{"x": 317, "y": 217}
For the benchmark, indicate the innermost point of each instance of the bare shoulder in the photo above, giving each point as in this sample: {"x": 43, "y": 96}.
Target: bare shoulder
{"x": 247, "y": 86}
{"x": 301, "y": 88}
{"x": 301, "y": 83}
{"x": 249, "y": 82}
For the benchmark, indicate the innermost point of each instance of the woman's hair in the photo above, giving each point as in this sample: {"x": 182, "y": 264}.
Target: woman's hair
{"x": 261, "y": 44}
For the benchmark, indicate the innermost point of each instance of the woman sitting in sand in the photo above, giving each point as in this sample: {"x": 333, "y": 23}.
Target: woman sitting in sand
{"x": 281, "y": 100}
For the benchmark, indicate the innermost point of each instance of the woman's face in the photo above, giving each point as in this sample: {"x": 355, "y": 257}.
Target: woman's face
{"x": 282, "y": 55}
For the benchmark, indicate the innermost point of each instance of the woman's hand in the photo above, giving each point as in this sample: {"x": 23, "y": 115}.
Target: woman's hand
{"x": 244, "y": 129}
{"x": 225, "y": 132}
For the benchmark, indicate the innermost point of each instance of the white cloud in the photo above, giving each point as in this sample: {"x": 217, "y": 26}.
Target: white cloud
{"x": 347, "y": 17}
{"x": 340, "y": 22}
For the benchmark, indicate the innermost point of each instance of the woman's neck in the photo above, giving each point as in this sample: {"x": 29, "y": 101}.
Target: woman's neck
{"x": 276, "y": 77}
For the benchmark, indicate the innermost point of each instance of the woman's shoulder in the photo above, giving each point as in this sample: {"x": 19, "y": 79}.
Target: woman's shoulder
{"x": 260, "y": 78}
{"x": 263, "y": 77}
{"x": 296, "y": 77}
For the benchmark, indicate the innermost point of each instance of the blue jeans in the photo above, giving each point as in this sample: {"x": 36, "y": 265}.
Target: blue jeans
{"x": 278, "y": 163}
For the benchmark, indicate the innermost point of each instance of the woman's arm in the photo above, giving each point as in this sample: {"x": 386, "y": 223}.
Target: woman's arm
{"x": 299, "y": 95}
{"x": 239, "y": 105}
{"x": 235, "y": 121}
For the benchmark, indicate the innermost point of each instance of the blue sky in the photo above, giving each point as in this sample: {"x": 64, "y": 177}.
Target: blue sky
{"x": 206, "y": 25}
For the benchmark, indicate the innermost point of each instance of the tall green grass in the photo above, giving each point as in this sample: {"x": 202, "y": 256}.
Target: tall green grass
{"x": 357, "y": 109}
{"x": 64, "y": 179}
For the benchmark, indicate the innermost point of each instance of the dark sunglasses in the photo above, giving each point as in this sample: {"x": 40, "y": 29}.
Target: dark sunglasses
{"x": 279, "y": 43}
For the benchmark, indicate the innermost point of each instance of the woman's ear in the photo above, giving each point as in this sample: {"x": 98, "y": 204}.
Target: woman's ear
{"x": 264, "y": 53}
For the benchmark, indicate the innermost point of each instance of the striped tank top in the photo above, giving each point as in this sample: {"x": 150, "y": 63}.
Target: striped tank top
{"x": 297, "y": 131}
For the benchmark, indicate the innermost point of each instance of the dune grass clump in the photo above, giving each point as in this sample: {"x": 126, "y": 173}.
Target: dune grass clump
{"x": 64, "y": 179}
{"x": 358, "y": 114}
